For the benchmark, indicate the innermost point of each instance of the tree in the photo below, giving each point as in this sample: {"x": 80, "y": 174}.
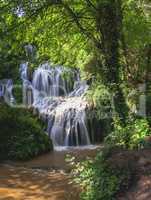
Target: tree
{"x": 76, "y": 31}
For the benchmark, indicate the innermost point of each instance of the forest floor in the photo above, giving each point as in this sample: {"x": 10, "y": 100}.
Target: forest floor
{"x": 47, "y": 177}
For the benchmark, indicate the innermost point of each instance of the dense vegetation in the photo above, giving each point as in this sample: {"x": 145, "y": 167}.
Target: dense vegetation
{"x": 22, "y": 136}
{"x": 102, "y": 178}
{"x": 110, "y": 41}
{"x": 107, "y": 39}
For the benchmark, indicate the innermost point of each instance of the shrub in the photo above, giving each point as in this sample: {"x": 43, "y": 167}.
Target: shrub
{"x": 100, "y": 98}
{"x": 22, "y": 136}
{"x": 100, "y": 180}
{"x": 130, "y": 136}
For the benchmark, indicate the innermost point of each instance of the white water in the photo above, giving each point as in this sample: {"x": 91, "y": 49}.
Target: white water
{"x": 6, "y": 87}
{"x": 59, "y": 101}
{"x": 71, "y": 148}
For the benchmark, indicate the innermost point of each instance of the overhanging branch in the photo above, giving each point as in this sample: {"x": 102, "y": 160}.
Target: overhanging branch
{"x": 84, "y": 31}
{"x": 90, "y": 4}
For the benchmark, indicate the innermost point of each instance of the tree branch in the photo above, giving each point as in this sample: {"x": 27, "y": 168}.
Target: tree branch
{"x": 90, "y": 4}
{"x": 73, "y": 15}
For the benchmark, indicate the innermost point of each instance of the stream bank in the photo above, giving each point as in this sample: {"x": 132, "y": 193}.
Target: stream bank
{"x": 46, "y": 177}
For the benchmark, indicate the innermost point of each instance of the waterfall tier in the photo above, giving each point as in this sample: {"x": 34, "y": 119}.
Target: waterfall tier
{"x": 56, "y": 93}
{"x": 6, "y": 87}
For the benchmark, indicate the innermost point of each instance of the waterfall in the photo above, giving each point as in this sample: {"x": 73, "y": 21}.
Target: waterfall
{"x": 67, "y": 122}
{"x": 6, "y": 87}
{"x": 51, "y": 81}
{"x": 57, "y": 96}
{"x": 27, "y": 85}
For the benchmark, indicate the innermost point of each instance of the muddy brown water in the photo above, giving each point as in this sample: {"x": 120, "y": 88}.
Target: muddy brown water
{"x": 43, "y": 178}
{"x": 57, "y": 158}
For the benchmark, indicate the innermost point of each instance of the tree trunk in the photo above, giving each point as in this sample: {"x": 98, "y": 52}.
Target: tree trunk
{"x": 148, "y": 83}
{"x": 109, "y": 24}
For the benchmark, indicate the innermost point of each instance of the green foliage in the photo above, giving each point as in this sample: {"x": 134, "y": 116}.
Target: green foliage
{"x": 11, "y": 42}
{"x": 136, "y": 24}
{"x": 18, "y": 94}
{"x": 100, "y": 97}
{"x": 59, "y": 38}
{"x": 100, "y": 180}
{"x": 22, "y": 136}
{"x": 69, "y": 33}
{"x": 68, "y": 76}
{"x": 75, "y": 33}
{"x": 131, "y": 136}
{"x": 136, "y": 31}
{"x": 100, "y": 100}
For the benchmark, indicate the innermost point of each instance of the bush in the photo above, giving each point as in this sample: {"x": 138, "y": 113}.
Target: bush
{"x": 22, "y": 136}
{"x": 18, "y": 94}
{"x": 130, "y": 136}
{"x": 100, "y": 97}
{"x": 99, "y": 179}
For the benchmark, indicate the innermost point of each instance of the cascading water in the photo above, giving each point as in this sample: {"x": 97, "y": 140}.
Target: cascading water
{"x": 27, "y": 86}
{"x": 67, "y": 123}
{"x": 6, "y": 87}
{"x": 57, "y": 95}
